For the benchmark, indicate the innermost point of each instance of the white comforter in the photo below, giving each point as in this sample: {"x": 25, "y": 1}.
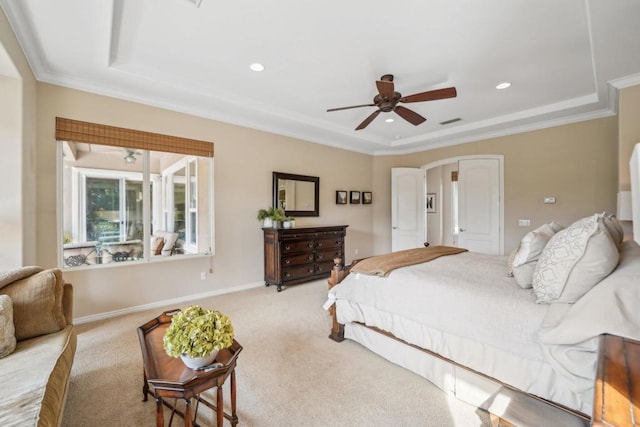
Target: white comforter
{"x": 465, "y": 308}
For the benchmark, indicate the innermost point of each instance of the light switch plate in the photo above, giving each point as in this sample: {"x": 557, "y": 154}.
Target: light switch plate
{"x": 549, "y": 200}
{"x": 524, "y": 222}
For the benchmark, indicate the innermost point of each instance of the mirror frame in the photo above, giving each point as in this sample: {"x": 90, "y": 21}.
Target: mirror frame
{"x": 314, "y": 179}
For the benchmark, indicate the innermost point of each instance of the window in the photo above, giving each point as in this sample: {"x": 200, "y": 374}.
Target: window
{"x": 130, "y": 204}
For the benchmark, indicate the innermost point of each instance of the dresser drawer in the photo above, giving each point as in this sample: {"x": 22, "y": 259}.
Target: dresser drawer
{"x": 293, "y": 273}
{"x": 296, "y": 246}
{"x": 324, "y": 267}
{"x": 329, "y": 254}
{"x": 328, "y": 243}
{"x": 304, "y": 258}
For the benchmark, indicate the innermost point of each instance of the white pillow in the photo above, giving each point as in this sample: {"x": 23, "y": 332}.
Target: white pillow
{"x": 7, "y": 329}
{"x": 524, "y": 274}
{"x": 574, "y": 260}
{"x": 614, "y": 228}
{"x": 532, "y": 244}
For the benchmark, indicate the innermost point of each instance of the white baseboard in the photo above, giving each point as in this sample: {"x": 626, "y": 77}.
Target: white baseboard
{"x": 164, "y": 303}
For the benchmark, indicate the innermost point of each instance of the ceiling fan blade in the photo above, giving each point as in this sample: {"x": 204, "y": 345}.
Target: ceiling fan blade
{"x": 347, "y": 108}
{"x": 409, "y": 115}
{"x": 431, "y": 95}
{"x": 368, "y": 120}
{"x": 386, "y": 88}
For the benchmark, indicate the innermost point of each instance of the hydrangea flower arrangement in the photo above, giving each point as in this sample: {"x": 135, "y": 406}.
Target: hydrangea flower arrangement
{"x": 197, "y": 332}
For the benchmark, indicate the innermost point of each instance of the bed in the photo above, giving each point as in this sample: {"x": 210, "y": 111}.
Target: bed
{"x": 469, "y": 323}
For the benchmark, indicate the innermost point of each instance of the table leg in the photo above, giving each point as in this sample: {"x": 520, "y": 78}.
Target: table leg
{"x": 234, "y": 417}
{"x": 159, "y": 413}
{"x": 188, "y": 421}
{"x": 219, "y": 407}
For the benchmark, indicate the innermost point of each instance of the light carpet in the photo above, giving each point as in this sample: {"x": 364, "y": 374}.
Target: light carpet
{"x": 288, "y": 374}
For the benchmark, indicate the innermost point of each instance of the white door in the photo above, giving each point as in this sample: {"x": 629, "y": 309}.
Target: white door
{"x": 407, "y": 208}
{"x": 479, "y": 205}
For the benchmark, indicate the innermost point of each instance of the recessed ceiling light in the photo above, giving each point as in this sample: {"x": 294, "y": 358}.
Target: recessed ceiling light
{"x": 503, "y": 85}
{"x": 389, "y": 120}
{"x": 256, "y": 66}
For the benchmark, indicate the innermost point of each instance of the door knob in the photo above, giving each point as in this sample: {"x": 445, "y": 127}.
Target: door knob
{"x": 462, "y": 229}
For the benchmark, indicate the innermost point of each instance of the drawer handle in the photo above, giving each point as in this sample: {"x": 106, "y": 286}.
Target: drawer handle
{"x": 310, "y": 270}
{"x": 320, "y": 244}
{"x": 287, "y": 261}
{"x": 320, "y": 268}
{"x": 320, "y": 256}
{"x": 310, "y": 244}
{"x": 287, "y": 247}
{"x": 310, "y": 257}
{"x": 287, "y": 274}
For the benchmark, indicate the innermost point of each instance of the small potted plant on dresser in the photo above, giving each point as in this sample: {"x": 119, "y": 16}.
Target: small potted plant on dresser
{"x": 271, "y": 217}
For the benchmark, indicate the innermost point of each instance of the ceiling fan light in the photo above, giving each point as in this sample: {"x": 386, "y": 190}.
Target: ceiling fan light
{"x": 130, "y": 158}
{"x": 389, "y": 120}
{"x": 503, "y": 85}
{"x": 256, "y": 66}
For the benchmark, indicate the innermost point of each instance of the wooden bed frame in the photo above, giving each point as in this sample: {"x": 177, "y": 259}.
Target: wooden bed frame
{"x": 338, "y": 273}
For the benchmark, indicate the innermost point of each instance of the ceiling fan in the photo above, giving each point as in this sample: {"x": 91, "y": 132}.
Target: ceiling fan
{"x": 130, "y": 156}
{"x": 387, "y": 100}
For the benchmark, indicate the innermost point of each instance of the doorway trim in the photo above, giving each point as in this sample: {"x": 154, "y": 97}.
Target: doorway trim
{"x": 500, "y": 158}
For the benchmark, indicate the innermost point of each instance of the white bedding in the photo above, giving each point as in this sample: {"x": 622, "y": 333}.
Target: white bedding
{"x": 465, "y": 308}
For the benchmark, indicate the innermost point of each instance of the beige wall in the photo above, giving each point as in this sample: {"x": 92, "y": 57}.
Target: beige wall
{"x": 244, "y": 161}
{"x": 575, "y": 163}
{"x": 17, "y": 163}
{"x": 628, "y": 131}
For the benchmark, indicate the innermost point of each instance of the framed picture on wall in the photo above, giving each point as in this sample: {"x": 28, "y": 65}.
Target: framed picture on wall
{"x": 355, "y": 197}
{"x": 431, "y": 202}
{"x": 367, "y": 197}
{"x": 341, "y": 197}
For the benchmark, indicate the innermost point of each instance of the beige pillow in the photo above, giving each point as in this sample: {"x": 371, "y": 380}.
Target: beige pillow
{"x": 574, "y": 260}
{"x": 170, "y": 240}
{"x": 7, "y": 330}
{"x": 532, "y": 244}
{"x": 37, "y": 304}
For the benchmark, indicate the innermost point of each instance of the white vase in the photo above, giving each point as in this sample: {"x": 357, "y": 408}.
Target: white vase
{"x": 286, "y": 224}
{"x": 196, "y": 362}
{"x": 267, "y": 223}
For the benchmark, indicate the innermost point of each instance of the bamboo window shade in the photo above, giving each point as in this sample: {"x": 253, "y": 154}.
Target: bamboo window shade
{"x": 93, "y": 133}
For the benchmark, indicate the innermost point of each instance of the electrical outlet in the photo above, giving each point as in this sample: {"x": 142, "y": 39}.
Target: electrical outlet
{"x": 355, "y": 251}
{"x": 524, "y": 223}
{"x": 203, "y": 275}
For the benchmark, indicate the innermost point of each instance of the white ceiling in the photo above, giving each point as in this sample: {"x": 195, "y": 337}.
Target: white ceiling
{"x": 565, "y": 60}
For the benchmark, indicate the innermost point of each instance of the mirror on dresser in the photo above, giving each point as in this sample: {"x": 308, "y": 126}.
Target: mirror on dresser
{"x": 297, "y": 195}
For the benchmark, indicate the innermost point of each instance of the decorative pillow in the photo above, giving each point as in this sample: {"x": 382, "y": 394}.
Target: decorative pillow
{"x": 532, "y": 244}
{"x": 156, "y": 245}
{"x": 170, "y": 240}
{"x": 7, "y": 330}
{"x": 574, "y": 260}
{"x": 524, "y": 274}
{"x": 37, "y": 304}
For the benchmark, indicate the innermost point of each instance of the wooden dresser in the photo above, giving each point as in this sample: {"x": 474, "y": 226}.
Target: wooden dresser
{"x": 617, "y": 389}
{"x": 297, "y": 255}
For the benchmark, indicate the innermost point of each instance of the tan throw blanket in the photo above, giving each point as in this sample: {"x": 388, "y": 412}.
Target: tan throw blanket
{"x": 382, "y": 265}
